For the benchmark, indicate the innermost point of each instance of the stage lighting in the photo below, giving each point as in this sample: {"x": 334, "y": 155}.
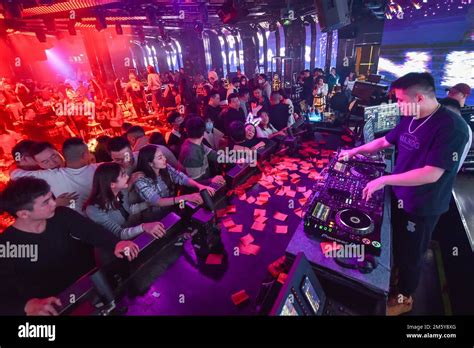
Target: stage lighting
{"x": 40, "y": 35}
{"x": 119, "y": 29}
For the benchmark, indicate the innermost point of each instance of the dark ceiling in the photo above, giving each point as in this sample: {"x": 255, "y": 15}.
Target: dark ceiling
{"x": 53, "y": 16}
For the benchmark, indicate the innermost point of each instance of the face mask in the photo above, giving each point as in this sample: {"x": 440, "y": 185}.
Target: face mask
{"x": 209, "y": 127}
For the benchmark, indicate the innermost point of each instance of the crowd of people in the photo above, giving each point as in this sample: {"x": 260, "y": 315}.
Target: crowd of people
{"x": 133, "y": 177}
{"x": 134, "y": 174}
{"x": 61, "y": 191}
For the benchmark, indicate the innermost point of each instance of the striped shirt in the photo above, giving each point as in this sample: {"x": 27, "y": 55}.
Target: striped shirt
{"x": 151, "y": 192}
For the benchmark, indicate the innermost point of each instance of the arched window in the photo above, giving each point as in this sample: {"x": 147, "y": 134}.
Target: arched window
{"x": 261, "y": 53}
{"x": 207, "y": 50}
{"x": 335, "y": 41}
{"x": 179, "y": 53}
{"x": 281, "y": 31}
{"x": 307, "y": 47}
{"x": 271, "y": 47}
{"x": 223, "y": 51}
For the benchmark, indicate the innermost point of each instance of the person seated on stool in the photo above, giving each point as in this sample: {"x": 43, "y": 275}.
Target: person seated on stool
{"x": 194, "y": 157}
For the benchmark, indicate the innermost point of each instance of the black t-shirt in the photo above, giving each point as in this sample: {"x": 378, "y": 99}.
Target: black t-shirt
{"x": 64, "y": 254}
{"x": 279, "y": 115}
{"x": 439, "y": 143}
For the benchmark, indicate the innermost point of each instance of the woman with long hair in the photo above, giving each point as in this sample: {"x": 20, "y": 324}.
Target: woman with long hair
{"x": 109, "y": 206}
{"x": 157, "y": 186}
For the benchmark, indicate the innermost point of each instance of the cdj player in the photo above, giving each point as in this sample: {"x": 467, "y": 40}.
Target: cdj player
{"x": 337, "y": 211}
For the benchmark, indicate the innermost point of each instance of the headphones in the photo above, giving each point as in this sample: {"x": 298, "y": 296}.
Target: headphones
{"x": 366, "y": 266}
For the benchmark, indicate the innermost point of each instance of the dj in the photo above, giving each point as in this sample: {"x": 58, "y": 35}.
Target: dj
{"x": 429, "y": 153}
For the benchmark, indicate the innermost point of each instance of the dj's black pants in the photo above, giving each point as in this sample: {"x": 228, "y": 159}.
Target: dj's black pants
{"x": 411, "y": 237}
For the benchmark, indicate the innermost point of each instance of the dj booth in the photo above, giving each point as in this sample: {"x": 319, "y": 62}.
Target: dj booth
{"x": 361, "y": 293}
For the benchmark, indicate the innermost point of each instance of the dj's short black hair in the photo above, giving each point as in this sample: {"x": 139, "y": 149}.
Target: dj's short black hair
{"x": 419, "y": 82}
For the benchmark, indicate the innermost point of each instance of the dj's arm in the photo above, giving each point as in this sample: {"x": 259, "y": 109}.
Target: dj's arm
{"x": 415, "y": 177}
{"x": 369, "y": 148}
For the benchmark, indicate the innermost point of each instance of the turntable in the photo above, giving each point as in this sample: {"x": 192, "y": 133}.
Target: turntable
{"x": 363, "y": 171}
{"x": 354, "y": 221}
{"x": 338, "y": 212}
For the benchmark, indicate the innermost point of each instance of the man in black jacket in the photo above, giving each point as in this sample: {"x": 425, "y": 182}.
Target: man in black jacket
{"x": 234, "y": 112}
{"x": 46, "y": 249}
{"x": 279, "y": 112}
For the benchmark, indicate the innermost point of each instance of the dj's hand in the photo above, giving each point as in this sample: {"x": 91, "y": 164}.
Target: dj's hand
{"x": 126, "y": 248}
{"x": 346, "y": 155}
{"x": 42, "y": 306}
{"x": 372, "y": 186}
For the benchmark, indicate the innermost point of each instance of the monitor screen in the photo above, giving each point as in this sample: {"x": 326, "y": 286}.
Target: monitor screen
{"x": 313, "y": 116}
{"x": 384, "y": 117}
{"x": 301, "y": 293}
{"x": 310, "y": 294}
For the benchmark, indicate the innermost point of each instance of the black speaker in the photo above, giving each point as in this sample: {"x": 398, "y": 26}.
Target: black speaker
{"x": 333, "y": 14}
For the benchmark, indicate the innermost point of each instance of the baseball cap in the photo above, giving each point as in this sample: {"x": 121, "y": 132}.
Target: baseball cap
{"x": 462, "y": 88}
